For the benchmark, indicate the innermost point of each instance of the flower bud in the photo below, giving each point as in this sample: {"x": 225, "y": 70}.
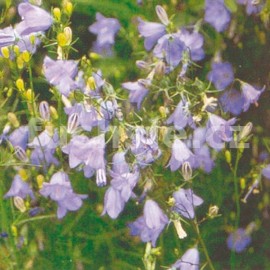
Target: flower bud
{"x": 94, "y": 56}
{"x": 20, "y": 62}
{"x": 57, "y": 14}
{"x": 20, "y": 85}
{"x": 101, "y": 178}
{"x": 5, "y": 52}
{"x": 53, "y": 112}
{"x": 9, "y": 92}
{"x": 16, "y": 49}
{"x": 91, "y": 83}
{"x": 186, "y": 171}
{"x": 68, "y": 34}
{"x": 23, "y": 174}
{"x": 162, "y": 15}
{"x": 14, "y": 231}
{"x": 69, "y": 8}
{"x": 142, "y": 64}
{"x": 40, "y": 179}
{"x": 245, "y": 131}
{"x": 160, "y": 68}
{"x": 12, "y": 118}
{"x": 44, "y": 110}
{"x": 26, "y": 56}
{"x": 179, "y": 229}
{"x": 119, "y": 114}
{"x": 29, "y": 95}
{"x": 213, "y": 211}
{"x": 19, "y": 204}
{"x": 228, "y": 157}
{"x": 73, "y": 123}
{"x": 62, "y": 39}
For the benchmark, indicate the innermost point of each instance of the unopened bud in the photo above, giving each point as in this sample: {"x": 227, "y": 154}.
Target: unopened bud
{"x": 9, "y": 92}
{"x": 119, "y": 114}
{"x": 61, "y": 39}
{"x": 44, "y": 110}
{"x": 142, "y": 64}
{"x": 179, "y": 229}
{"x": 57, "y": 14}
{"x": 29, "y": 95}
{"x": 91, "y": 83}
{"x": 162, "y": 111}
{"x": 40, "y": 179}
{"x": 94, "y": 56}
{"x": 14, "y": 231}
{"x": 68, "y": 34}
{"x": 69, "y": 8}
{"x": 23, "y": 174}
{"x": 160, "y": 68}
{"x": 73, "y": 123}
{"x": 162, "y": 15}
{"x": 228, "y": 157}
{"x": 245, "y": 131}
{"x": 20, "y": 62}
{"x": 5, "y": 52}
{"x": 21, "y": 154}
{"x": 26, "y": 56}
{"x": 16, "y": 49}
{"x": 32, "y": 39}
{"x": 186, "y": 171}
{"x": 20, "y": 85}
{"x": 19, "y": 204}
{"x": 213, "y": 211}
{"x": 12, "y": 118}
{"x": 53, "y": 112}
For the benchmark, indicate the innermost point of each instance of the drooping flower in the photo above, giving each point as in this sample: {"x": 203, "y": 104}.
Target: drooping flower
{"x": 151, "y": 224}
{"x": 252, "y": 6}
{"x": 60, "y": 190}
{"x": 250, "y": 94}
{"x": 105, "y": 29}
{"x": 181, "y": 117}
{"x": 239, "y": 240}
{"x": 19, "y": 188}
{"x": 61, "y": 73}
{"x": 90, "y": 153}
{"x": 219, "y": 131}
{"x": 180, "y": 154}
{"x": 217, "y": 14}
{"x": 266, "y": 172}
{"x": 185, "y": 202}
{"x": 193, "y": 44}
{"x": 19, "y": 137}
{"x": 170, "y": 48}
{"x": 189, "y": 261}
{"x": 122, "y": 184}
{"x": 221, "y": 75}
{"x": 34, "y": 19}
{"x": 137, "y": 91}
{"x": 7, "y": 36}
{"x": 232, "y": 101}
{"x": 145, "y": 147}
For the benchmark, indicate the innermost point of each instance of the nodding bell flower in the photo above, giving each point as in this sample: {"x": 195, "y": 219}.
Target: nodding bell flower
{"x": 73, "y": 123}
{"x": 186, "y": 171}
{"x": 189, "y": 261}
{"x": 162, "y": 15}
{"x": 20, "y": 154}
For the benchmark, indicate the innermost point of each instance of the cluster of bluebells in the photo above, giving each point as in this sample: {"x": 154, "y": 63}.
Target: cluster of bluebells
{"x": 83, "y": 140}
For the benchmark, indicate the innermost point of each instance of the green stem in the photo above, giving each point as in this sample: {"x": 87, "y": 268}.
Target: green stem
{"x": 205, "y": 251}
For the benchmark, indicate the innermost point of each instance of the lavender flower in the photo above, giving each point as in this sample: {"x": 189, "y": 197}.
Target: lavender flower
{"x": 221, "y": 75}
{"x": 250, "y": 94}
{"x": 137, "y": 91}
{"x": 61, "y": 73}
{"x": 266, "y": 172}
{"x": 105, "y": 29}
{"x": 185, "y": 202}
{"x": 252, "y": 6}
{"x": 239, "y": 240}
{"x": 151, "y": 224}
{"x": 59, "y": 189}
{"x": 218, "y": 131}
{"x": 181, "y": 116}
{"x": 34, "y": 19}
{"x": 180, "y": 154}
{"x": 189, "y": 261}
{"x": 217, "y": 14}
{"x": 19, "y": 188}
{"x": 232, "y": 101}
{"x": 171, "y": 48}
{"x": 144, "y": 147}
{"x": 19, "y": 137}
{"x": 7, "y": 36}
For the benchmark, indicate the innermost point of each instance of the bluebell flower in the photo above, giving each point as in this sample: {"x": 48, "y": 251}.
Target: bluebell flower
{"x": 189, "y": 261}
{"x": 219, "y": 131}
{"x": 137, "y": 91}
{"x": 170, "y": 48}
{"x": 252, "y": 6}
{"x": 151, "y": 32}
{"x": 185, "y": 202}
{"x": 181, "y": 117}
{"x": 145, "y": 147}
{"x": 193, "y": 43}
{"x": 19, "y": 188}
{"x": 180, "y": 154}
{"x": 61, "y": 73}
{"x": 19, "y": 137}
{"x": 221, "y": 75}
{"x": 60, "y": 190}
{"x": 250, "y": 94}
{"x": 266, "y": 172}
{"x": 25, "y": 43}
{"x": 232, "y": 101}
{"x": 7, "y": 36}
{"x": 239, "y": 240}
{"x": 34, "y": 19}
{"x": 105, "y": 29}
{"x": 217, "y": 14}
{"x": 89, "y": 153}
{"x": 151, "y": 224}
{"x": 203, "y": 158}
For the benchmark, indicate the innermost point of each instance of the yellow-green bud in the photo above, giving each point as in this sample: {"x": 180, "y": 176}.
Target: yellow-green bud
{"x": 228, "y": 156}
{"x": 14, "y": 231}
{"x": 57, "y": 14}
{"x": 29, "y": 95}
{"x": 5, "y": 52}
{"x": 20, "y": 84}
{"x": 9, "y": 92}
{"x": 19, "y": 203}
{"x": 32, "y": 39}
{"x": 40, "y": 179}
{"x": 53, "y": 112}
{"x": 91, "y": 83}
{"x": 213, "y": 211}
{"x": 12, "y": 118}
{"x": 94, "y": 56}
{"x": 69, "y": 8}
{"x": 16, "y": 49}
{"x": 26, "y": 56}
{"x": 68, "y": 34}
{"x": 23, "y": 174}
{"x": 61, "y": 39}
{"x": 20, "y": 62}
